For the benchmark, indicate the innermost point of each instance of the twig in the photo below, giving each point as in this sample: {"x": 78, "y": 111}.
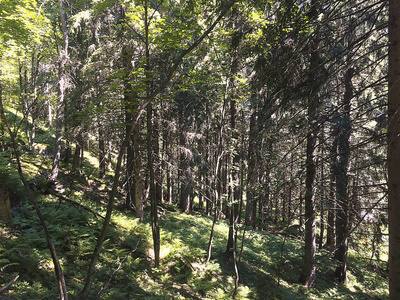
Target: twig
{"x": 80, "y": 205}
{"x": 9, "y": 284}
{"x": 76, "y": 204}
{"x": 116, "y": 270}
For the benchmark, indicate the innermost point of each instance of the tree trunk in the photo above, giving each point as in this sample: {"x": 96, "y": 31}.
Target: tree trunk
{"x": 214, "y": 197}
{"x": 138, "y": 201}
{"x": 322, "y": 193}
{"x": 210, "y": 241}
{"x": 26, "y": 109}
{"x": 77, "y": 155}
{"x": 235, "y": 182}
{"x": 5, "y": 206}
{"x": 169, "y": 185}
{"x": 241, "y": 176}
{"x": 100, "y": 119}
{"x": 128, "y": 101}
{"x": 393, "y": 162}
{"x": 102, "y": 149}
{"x": 308, "y": 273}
{"x": 158, "y": 172}
{"x": 152, "y": 194}
{"x": 185, "y": 172}
{"x": 208, "y": 194}
{"x": 342, "y": 182}
{"x": 307, "y": 276}
{"x": 331, "y": 222}
{"x": 133, "y": 164}
{"x": 252, "y": 171}
{"x": 62, "y": 61}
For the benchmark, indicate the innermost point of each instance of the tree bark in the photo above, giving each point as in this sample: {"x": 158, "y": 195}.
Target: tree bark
{"x": 152, "y": 192}
{"x": 138, "y": 201}
{"x": 307, "y": 276}
{"x": 393, "y": 151}
{"x": 252, "y": 172}
{"x": 62, "y": 61}
{"x": 129, "y": 100}
{"x": 102, "y": 148}
{"x": 342, "y": 182}
{"x": 308, "y": 273}
{"x": 331, "y": 222}
{"x": 235, "y": 165}
{"x": 77, "y": 154}
{"x": 158, "y": 173}
{"x": 185, "y": 171}
{"x": 150, "y": 163}
{"x": 5, "y": 206}
{"x": 322, "y": 193}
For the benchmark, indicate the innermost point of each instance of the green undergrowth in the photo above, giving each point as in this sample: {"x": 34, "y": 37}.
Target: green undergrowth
{"x": 269, "y": 264}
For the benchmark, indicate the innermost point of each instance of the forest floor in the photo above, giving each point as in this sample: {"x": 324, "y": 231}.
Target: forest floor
{"x": 269, "y": 261}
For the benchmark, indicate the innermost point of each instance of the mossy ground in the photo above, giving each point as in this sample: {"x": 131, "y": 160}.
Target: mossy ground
{"x": 269, "y": 265}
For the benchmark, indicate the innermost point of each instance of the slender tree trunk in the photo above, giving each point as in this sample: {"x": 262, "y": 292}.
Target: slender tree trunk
{"x": 77, "y": 154}
{"x": 308, "y": 273}
{"x": 331, "y": 222}
{"x": 130, "y": 175}
{"x": 138, "y": 201}
{"x": 84, "y": 293}
{"x": 150, "y": 163}
{"x": 225, "y": 193}
{"x": 210, "y": 241}
{"x": 26, "y": 106}
{"x": 129, "y": 101}
{"x": 214, "y": 202}
{"x": 234, "y": 158}
{"x": 208, "y": 194}
{"x": 394, "y": 149}
{"x": 152, "y": 192}
{"x": 184, "y": 170}
{"x": 290, "y": 190}
{"x": 342, "y": 182}
{"x": 100, "y": 118}
{"x": 267, "y": 211}
{"x": 301, "y": 205}
{"x": 5, "y": 205}
{"x": 102, "y": 148}
{"x": 62, "y": 61}
{"x": 201, "y": 178}
{"x": 235, "y": 178}
{"x": 307, "y": 276}
{"x": 252, "y": 171}
{"x": 50, "y": 113}
{"x": 158, "y": 172}
{"x": 168, "y": 171}
{"x": 322, "y": 192}
{"x": 34, "y": 90}
{"x": 241, "y": 170}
